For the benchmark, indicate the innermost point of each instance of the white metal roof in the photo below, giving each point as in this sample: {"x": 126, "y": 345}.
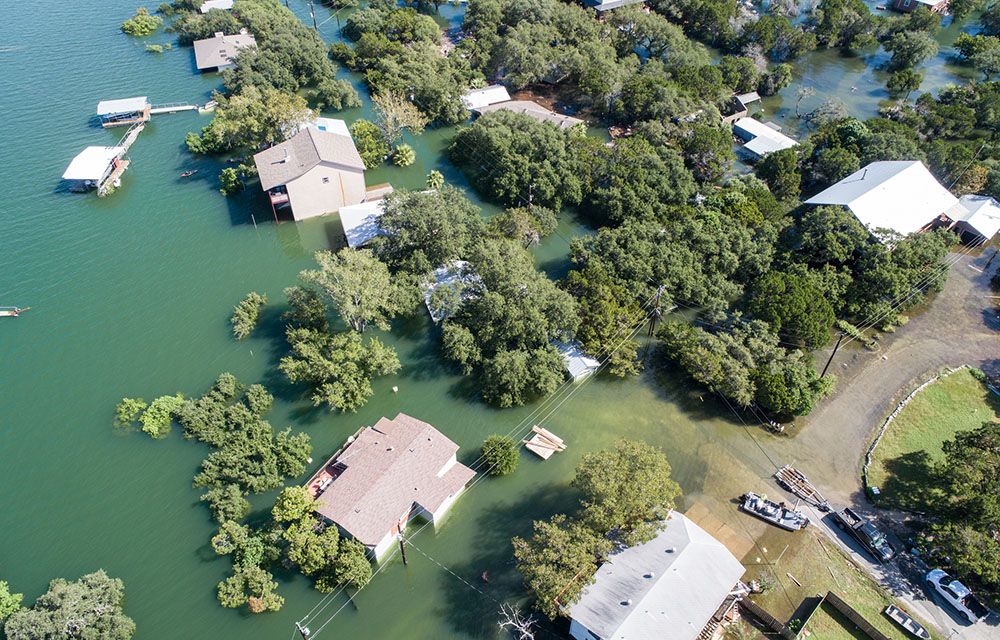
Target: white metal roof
{"x": 898, "y": 195}
{"x": 124, "y": 105}
{"x": 983, "y": 214}
{"x": 208, "y": 5}
{"x": 331, "y": 125}
{"x": 486, "y": 96}
{"x": 577, "y": 362}
{"x": 361, "y": 221}
{"x": 762, "y": 138}
{"x": 668, "y": 587}
{"x": 456, "y": 273}
{"x": 92, "y": 163}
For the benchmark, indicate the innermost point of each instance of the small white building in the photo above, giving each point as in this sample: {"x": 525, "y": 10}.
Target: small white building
{"x": 578, "y": 364}
{"x": 361, "y": 221}
{"x": 982, "y": 220}
{"x": 387, "y": 475}
{"x": 486, "y": 96}
{"x": 313, "y": 172}
{"x": 454, "y": 283}
{"x": 208, "y": 5}
{"x": 94, "y": 166}
{"x": 761, "y": 138}
{"x": 124, "y": 111}
{"x": 900, "y": 196}
{"x": 668, "y": 588}
{"x": 219, "y": 52}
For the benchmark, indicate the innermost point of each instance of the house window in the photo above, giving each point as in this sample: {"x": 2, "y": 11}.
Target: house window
{"x": 906, "y": 3}
{"x": 326, "y": 179}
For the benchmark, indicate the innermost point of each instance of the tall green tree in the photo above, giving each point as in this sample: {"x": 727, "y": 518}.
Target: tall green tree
{"x": 90, "y": 607}
{"x": 9, "y": 602}
{"x": 371, "y": 145}
{"x": 790, "y": 303}
{"x": 359, "y": 286}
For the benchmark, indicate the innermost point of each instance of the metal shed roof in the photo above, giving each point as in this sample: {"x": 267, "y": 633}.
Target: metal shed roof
{"x": 762, "y": 138}
{"x": 92, "y": 163}
{"x": 123, "y": 105}
{"x": 492, "y": 94}
{"x": 361, "y": 221}
{"x": 983, "y": 214}
{"x": 216, "y": 4}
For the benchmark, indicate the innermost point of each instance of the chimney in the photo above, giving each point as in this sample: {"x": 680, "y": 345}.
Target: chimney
{"x": 219, "y": 34}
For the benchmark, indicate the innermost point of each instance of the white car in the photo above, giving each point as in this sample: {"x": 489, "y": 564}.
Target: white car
{"x": 957, "y": 595}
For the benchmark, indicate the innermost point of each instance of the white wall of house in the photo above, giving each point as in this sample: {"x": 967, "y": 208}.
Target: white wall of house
{"x": 438, "y": 515}
{"x": 448, "y": 465}
{"x": 383, "y": 546}
{"x": 324, "y": 189}
{"x": 580, "y": 632}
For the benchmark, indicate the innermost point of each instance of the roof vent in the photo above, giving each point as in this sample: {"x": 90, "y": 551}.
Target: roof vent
{"x": 388, "y": 448}
{"x": 649, "y": 575}
{"x": 627, "y": 603}
{"x": 669, "y": 550}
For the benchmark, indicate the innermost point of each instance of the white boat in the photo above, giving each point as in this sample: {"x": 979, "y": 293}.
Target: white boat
{"x": 776, "y": 514}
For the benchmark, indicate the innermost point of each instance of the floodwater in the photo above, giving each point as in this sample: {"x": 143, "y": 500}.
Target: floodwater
{"x": 130, "y": 296}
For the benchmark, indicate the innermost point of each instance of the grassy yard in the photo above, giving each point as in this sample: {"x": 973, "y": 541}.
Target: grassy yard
{"x": 819, "y": 566}
{"x": 902, "y": 464}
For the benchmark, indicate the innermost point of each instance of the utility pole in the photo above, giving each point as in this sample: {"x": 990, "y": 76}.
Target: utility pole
{"x": 839, "y": 338}
{"x": 312, "y": 11}
{"x": 303, "y": 630}
{"x": 402, "y": 549}
{"x": 530, "y": 196}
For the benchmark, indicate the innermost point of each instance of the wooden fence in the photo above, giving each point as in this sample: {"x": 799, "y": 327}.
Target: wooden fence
{"x": 848, "y": 612}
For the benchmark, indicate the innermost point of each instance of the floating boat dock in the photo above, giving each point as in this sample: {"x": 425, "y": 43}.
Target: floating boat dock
{"x": 544, "y": 443}
{"x": 126, "y": 111}
{"x": 172, "y": 108}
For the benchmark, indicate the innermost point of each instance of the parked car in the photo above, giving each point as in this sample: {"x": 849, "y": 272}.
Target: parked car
{"x": 866, "y": 533}
{"x": 957, "y": 595}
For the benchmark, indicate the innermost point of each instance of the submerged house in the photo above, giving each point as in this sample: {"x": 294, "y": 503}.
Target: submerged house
{"x": 906, "y": 6}
{"x": 578, "y": 364}
{"x": 126, "y": 111}
{"x": 981, "y": 221}
{"x": 219, "y": 52}
{"x": 901, "y": 196}
{"x": 761, "y": 138}
{"x": 675, "y": 586}
{"x": 96, "y": 167}
{"x": 360, "y": 220}
{"x": 314, "y": 172}
{"x": 448, "y": 287}
{"x": 478, "y": 98}
{"x": 532, "y": 109}
{"x": 387, "y": 475}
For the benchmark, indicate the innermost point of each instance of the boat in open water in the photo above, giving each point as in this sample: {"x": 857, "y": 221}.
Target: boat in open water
{"x": 910, "y": 625}
{"x": 11, "y": 312}
{"x": 777, "y": 514}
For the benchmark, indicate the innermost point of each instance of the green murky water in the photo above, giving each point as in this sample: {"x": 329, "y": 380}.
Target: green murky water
{"x": 130, "y": 295}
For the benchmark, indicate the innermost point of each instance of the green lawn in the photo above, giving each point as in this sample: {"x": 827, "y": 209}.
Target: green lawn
{"x": 902, "y": 464}
{"x": 819, "y": 566}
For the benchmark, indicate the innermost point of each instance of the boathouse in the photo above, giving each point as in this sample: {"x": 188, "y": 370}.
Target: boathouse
{"x": 532, "y": 109}
{"x": 126, "y": 111}
{"x": 486, "y": 96}
{"x": 96, "y": 167}
{"x": 761, "y": 138}
{"x": 899, "y": 196}
{"x": 387, "y": 475}
{"x": 208, "y": 5}
{"x": 906, "y": 6}
{"x": 219, "y": 52}
{"x": 578, "y": 364}
{"x": 738, "y": 106}
{"x": 980, "y": 222}
{"x": 312, "y": 173}
{"x": 675, "y": 586}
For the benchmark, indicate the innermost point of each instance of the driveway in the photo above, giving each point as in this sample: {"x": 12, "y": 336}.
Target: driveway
{"x": 959, "y": 326}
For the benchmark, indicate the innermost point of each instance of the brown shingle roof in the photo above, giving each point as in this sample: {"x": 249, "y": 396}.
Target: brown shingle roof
{"x": 389, "y": 468}
{"x": 533, "y": 109}
{"x": 220, "y": 50}
{"x": 285, "y": 162}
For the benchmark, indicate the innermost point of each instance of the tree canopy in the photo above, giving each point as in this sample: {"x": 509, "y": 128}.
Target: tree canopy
{"x": 89, "y": 608}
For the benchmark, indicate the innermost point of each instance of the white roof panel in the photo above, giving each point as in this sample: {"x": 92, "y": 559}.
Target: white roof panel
{"x": 456, "y": 273}
{"x": 124, "y": 105}
{"x": 577, "y": 362}
{"x": 361, "y": 221}
{"x": 668, "y": 587}
{"x": 208, "y": 5}
{"x": 983, "y": 214}
{"x": 92, "y": 163}
{"x": 486, "y": 96}
{"x": 331, "y": 125}
{"x": 762, "y": 138}
{"x": 898, "y": 195}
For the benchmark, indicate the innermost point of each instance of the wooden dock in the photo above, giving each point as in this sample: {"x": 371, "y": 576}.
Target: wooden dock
{"x": 544, "y": 443}
{"x": 172, "y": 108}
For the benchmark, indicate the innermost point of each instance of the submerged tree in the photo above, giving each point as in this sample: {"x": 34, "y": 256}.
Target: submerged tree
{"x": 244, "y": 319}
{"x": 90, "y": 607}
{"x": 359, "y": 286}
{"x": 142, "y": 23}
{"x": 500, "y": 455}
{"x": 393, "y": 113}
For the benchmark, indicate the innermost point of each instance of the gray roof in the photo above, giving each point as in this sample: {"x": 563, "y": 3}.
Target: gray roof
{"x": 389, "y": 468}
{"x": 124, "y": 105}
{"x": 291, "y": 159}
{"x": 533, "y": 109}
{"x": 607, "y": 5}
{"x": 220, "y": 50}
{"x": 668, "y": 587}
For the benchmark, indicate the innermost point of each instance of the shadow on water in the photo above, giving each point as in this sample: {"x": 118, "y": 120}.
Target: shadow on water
{"x": 494, "y": 560}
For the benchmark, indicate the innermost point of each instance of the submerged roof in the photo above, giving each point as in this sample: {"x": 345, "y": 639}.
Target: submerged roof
{"x": 668, "y": 587}
{"x": 292, "y": 158}
{"x": 208, "y": 5}
{"x": 457, "y": 275}
{"x": 898, "y": 195}
{"x": 220, "y": 50}
{"x": 763, "y": 138}
{"x": 387, "y": 469}
{"x": 486, "y": 96}
{"x": 123, "y": 105}
{"x": 982, "y": 214}
{"x": 361, "y": 221}
{"x": 577, "y": 362}
{"x": 533, "y": 109}
{"x": 92, "y": 163}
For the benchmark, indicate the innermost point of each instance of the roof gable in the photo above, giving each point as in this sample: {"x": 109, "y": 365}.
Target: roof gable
{"x": 296, "y": 156}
